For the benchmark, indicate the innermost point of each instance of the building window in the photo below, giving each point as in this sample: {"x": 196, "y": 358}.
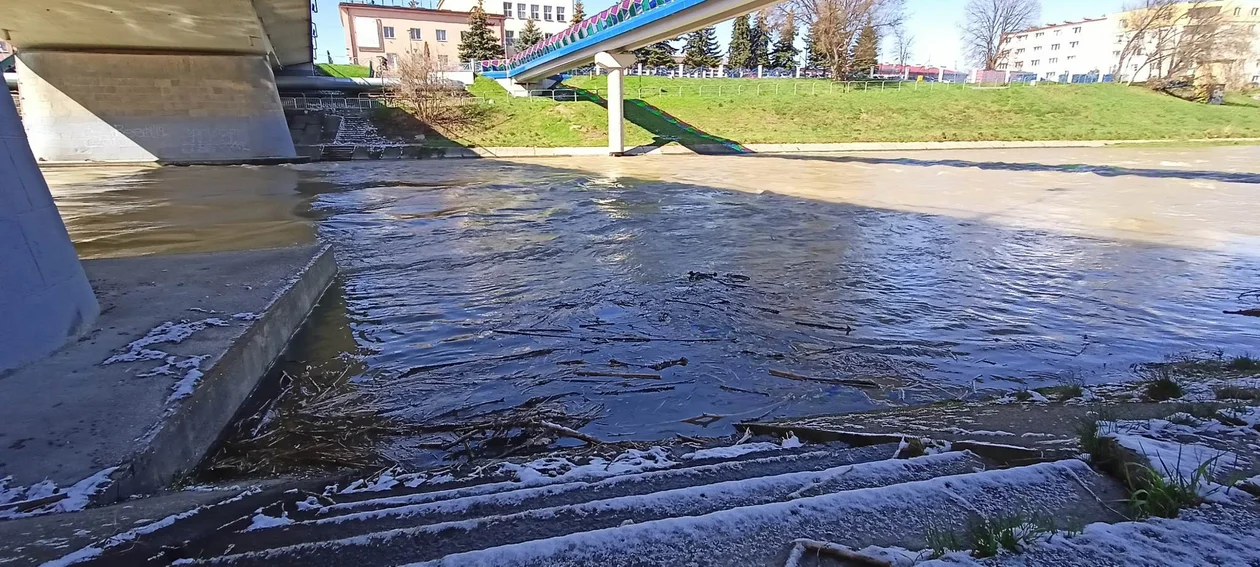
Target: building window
{"x": 1018, "y": 51}
{"x": 1074, "y": 44}
{"x": 1050, "y": 75}
{"x": 520, "y": 11}
{"x": 533, "y": 12}
{"x": 547, "y": 36}
{"x": 1071, "y": 57}
{"x": 509, "y": 37}
{"x": 443, "y": 60}
{"x": 1002, "y": 66}
{"x": 547, "y": 13}
{"x": 1054, "y": 60}
{"x": 507, "y": 10}
{"x": 1076, "y": 29}
{"x": 559, "y": 13}
{"x": 1255, "y": 11}
{"x": 1040, "y": 34}
{"x": 1037, "y": 48}
{"x": 1054, "y": 47}
{"x": 388, "y": 32}
{"x": 414, "y": 34}
{"x": 1058, "y": 32}
{"x": 1237, "y": 11}
{"x": 440, "y": 35}
{"x": 1035, "y": 62}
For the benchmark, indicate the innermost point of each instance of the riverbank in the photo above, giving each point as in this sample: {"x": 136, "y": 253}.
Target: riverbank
{"x": 730, "y": 112}
{"x": 181, "y": 342}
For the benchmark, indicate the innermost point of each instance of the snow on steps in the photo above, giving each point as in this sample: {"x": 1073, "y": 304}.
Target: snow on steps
{"x": 896, "y": 515}
{"x": 892, "y": 502}
{"x": 448, "y": 519}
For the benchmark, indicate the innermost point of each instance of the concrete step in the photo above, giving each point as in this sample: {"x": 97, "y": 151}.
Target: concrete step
{"x": 431, "y": 531}
{"x": 899, "y": 514}
{"x": 337, "y": 152}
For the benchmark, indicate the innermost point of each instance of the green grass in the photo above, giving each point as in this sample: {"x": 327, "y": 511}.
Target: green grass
{"x": 1048, "y": 112}
{"x": 344, "y": 71}
{"x": 664, "y": 114}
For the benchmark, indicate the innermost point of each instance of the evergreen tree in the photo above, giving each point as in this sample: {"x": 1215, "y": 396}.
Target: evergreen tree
{"x": 866, "y": 51}
{"x": 815, "y": 58}
{"x": 578, "y": 13}
{"x": 761, "y": 40}
{"x": 702, "y": 49}
{"x": 659, "y": 54}
{"x": 740, "y": 51}
{"x": 783, "y": 56}
{"x": 479, "y": 43}
{"x": 529, "y": 37}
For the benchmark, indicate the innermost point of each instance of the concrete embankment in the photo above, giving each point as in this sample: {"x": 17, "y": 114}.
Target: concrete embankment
{"x": 181, "y": 343}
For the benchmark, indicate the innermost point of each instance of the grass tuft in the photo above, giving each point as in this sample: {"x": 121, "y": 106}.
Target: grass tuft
{"x": 1162, "y": 496}
{"x": 1235, "y": 392}
{"x": 1244, "y": 363}
{"x": 1160, "y": 383}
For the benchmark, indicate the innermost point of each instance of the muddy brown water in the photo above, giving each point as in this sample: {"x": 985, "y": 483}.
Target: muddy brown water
{"x": 928, "y": 273}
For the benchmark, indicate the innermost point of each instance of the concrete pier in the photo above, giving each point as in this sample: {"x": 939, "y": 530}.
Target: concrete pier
{"x": 169, "y": 108}
{"x": 616, "y": 64}
{"x": 182, "y": 342}
{"x": 45, "y": 299}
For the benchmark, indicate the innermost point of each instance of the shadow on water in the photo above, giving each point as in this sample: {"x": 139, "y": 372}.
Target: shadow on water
{"x": 470, "y": 288}
{"x": 666, "y": 128}
{"x": 1101, "y": 170}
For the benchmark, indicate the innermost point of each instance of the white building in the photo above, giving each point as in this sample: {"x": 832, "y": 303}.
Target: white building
{"x": 1060, "y": 51}
{"x": 1089, "y": 48}
{"x": 551, "y": 16}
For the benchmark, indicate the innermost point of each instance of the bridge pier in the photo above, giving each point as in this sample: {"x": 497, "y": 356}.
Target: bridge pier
{"x": 171, "y": 108}
{"x": 616, "y": 64}
{"x": 45, "y": 297}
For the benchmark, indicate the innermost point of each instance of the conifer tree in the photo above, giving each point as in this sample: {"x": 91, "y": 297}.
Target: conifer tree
{"x": 479, "y": 42}
{"x": 702, "y": 49}
{"x": 760, "y": 40}
{"x": 529, "y": 37}
{"x": 740, "y": 51}
{"x": 866, "y": 51}
{"x": 579, "y": 13}
{"x": 783, "y": 56}
{"x": 659, "y": 54}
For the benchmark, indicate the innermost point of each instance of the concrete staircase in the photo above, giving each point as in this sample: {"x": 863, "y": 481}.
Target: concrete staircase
{"x": 724, "y": 507}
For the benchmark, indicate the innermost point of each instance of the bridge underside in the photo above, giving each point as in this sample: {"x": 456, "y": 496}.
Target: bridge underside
{"x": 156, "y": 80}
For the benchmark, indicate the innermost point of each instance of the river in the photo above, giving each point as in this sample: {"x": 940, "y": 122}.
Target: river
{"x": 471, "y": 286}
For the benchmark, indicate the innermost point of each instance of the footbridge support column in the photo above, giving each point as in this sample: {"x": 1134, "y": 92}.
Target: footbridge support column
{"x": 45, "y": 297}
{"x": 616, "y": 64}
{"x": 143, "y": 107}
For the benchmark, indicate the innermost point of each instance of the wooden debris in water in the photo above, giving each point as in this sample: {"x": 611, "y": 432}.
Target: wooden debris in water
{"x": 854, "y": 382}
{"x": 618, "y": 374}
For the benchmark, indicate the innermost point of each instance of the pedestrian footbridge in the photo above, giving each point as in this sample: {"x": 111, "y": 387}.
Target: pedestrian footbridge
{"x": 608, "y": 39}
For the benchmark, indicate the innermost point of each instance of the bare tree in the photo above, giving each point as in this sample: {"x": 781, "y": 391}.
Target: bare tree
{"x": 424, "y": 93}
{"x": 1171, "y": 38}
{"x": 904, "y": 45}
{"x": 835, "y": 24}
{"x": 989, "y": 24}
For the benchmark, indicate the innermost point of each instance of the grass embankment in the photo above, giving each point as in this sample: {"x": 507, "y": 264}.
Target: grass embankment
{"x": 942, "y": 113}
{"x": 344, "y": 71}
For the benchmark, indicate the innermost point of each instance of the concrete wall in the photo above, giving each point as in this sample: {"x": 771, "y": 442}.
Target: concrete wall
{"x": 45, "y": 298}
{"x": 171, "y": 108}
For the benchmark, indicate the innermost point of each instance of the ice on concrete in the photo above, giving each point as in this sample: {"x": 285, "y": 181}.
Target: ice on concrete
{"x": 553, "y": 469}
{"x": 78, "y": 495}
{"x": 261, "y": 521}
{"x": 732, "y": 451}
{"x": 169, "y": 332}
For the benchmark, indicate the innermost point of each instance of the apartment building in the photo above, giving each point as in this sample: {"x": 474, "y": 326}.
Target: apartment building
{"x": 1092, "y": 49}
{"x": 551, "y": 16}
{"x": 1061, "y": 51}
{"x": 1237, "y": 65}
{"x": 378, "y": 35}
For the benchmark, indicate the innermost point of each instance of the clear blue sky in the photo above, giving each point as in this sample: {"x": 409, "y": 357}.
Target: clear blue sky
{"x": 934, "y": 23}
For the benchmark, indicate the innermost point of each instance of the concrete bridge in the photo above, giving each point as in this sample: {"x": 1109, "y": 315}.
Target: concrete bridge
{"x": 156, "y": 80}
{"x": 609, "y": 38}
